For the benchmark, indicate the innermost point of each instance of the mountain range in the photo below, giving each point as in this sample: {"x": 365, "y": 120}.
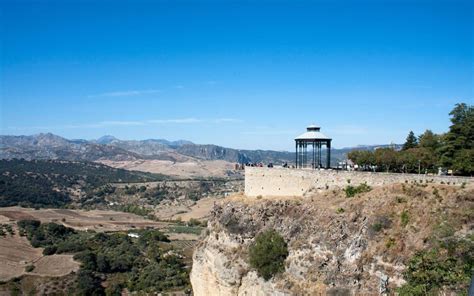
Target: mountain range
{"x": 50, "y": 146}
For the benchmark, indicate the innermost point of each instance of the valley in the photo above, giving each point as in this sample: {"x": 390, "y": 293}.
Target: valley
{"x": 154, "y": 217}
{"x": 236, "y": 148}
{"x": 85, "y": 200}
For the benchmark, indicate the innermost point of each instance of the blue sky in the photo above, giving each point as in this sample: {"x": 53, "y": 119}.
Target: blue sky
{"x": 240, "y": 74}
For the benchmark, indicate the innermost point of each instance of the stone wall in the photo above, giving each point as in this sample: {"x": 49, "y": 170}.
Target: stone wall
{"x": 296, "y": 182}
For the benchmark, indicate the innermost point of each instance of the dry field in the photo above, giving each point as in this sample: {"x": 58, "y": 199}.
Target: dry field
{"x": 39, "y": 285}
{"x": 185, "y": 209}
{"x": 187, "y": 169}
{"x": 200, "y": 210}
{"x": 16, "y": 253}
{"x": 55, "y": 265}
{"x": 96, "y": 220}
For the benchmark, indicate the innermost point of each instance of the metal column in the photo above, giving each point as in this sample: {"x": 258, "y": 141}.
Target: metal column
{"x": 328, "y": 153}
{"x": 296, "y": 154}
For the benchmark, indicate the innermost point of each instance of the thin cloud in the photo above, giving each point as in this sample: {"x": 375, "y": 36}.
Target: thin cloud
{"x": 114, "y": 123}
{"x": 195, "y": 120}
{"x": 176, "y": 120}
{"x": 101, "y": 124}
{"x": 126, "y": 93}
{"x": 121, "y": 123}
{"x": 224, "y": 120}
{"x": 270, "y": 132}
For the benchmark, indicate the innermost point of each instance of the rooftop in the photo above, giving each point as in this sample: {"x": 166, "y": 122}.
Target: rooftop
{"x": 312, "y": 133}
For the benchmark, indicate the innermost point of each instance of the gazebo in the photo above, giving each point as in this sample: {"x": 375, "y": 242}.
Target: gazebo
{"x": 314, "y": 138}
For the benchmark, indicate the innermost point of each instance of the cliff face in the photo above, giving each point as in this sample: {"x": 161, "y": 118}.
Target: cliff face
{"x": 337, "y": 245}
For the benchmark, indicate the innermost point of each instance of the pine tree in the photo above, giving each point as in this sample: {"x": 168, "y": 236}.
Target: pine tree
{"x": 458, "y": 148}
{"x": 411, "y": 141}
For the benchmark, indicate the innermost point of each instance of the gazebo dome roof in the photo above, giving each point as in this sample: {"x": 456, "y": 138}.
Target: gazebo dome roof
{"x": 312, "y": 133}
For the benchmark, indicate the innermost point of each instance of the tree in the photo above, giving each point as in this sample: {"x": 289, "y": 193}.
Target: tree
{"x": 88, "y": 284}
{"x": 411, "y": 141}
{"x": 409, "y": 161}
{"x": 459, "y": 141}
{"x": 453, "y": 150}
{"x": 102, "y": 263}
{"x": 49, "y": 250}
{"x": 417, "y": 160}
{"x": 268, "y": 253}
{"x": 364, "y": 158}
{"x": 354, "y": 155}
{"x": 88, "y": 260}
{"x": 464, "y": 161}
{"x": 386, "y": 158}
{"x": 429, "y": 140}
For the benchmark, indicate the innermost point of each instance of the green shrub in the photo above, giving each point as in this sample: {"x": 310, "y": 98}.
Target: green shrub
{"x": 194, "y": 222}
{"x": 49, "y": 250}
{"x": 404, "y": 218}
{"x": 400, "y": 199}
{"x": 134, "y": 209}
{"x": 436, "y": 192}
{"x": 381, "y": 222}
{"x": 150, "y": 236}
{"x": 439, "y": 268}
{"x": 352, "y": 191}
{"x": 88, "y": 284}
{"x": 161, "y": 276}
{"x": 88, "y": 260}
{"x": 389, "y": 242}
{"x": 268, "y": 253}
{"x": 377, "y": 227}
{"x": 186, "y": 229}
{"x": 9, "y": 229}
{"x": 29, "y": 268}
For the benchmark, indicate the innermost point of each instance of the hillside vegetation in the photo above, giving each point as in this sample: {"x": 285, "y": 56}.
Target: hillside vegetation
{"x": 41, "y": 183}
{"x": 147, "y": 263}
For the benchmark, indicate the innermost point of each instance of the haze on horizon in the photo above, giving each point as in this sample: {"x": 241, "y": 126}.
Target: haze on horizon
{"x": 236, "y": 74}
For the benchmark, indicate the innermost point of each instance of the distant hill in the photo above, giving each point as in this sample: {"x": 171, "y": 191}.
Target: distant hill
{"x": 50, "y": 146}
{"x": 40, "y": 183}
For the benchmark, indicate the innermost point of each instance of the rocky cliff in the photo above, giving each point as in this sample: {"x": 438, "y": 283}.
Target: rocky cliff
{"x": 337, "y": 245}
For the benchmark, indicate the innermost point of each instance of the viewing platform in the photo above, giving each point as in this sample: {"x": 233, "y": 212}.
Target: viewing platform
{"x": 296, "y": 182}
